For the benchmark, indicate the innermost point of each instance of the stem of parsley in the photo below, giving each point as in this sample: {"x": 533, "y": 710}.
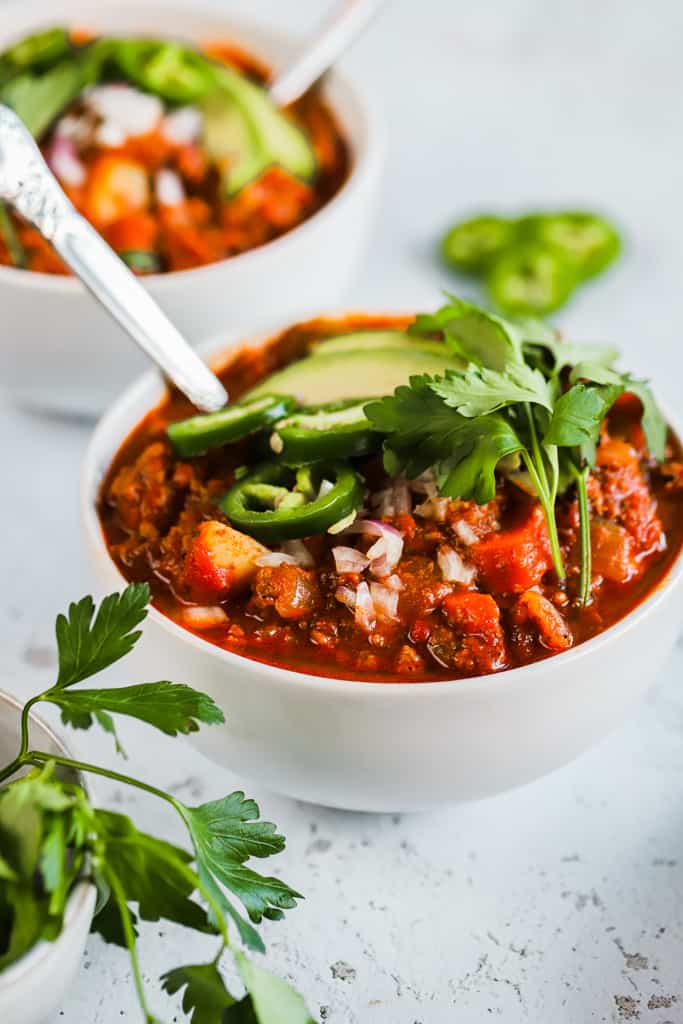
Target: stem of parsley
{"x": 581, "y": 478}
{"x": 129, "y": 935}
{"x": 535, "y": 464}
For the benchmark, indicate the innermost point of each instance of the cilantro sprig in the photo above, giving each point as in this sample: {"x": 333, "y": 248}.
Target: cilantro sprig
{"x": 51, "y": 836}
{"x": 521, "y": 393}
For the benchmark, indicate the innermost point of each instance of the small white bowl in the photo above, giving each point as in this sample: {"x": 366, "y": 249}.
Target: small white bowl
{"x": 61, "y": 351}
{"x": 389, "y": 746}
{"x": 32, "y": 989}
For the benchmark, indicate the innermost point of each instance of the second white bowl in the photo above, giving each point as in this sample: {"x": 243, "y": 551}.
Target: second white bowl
{"x": 62, "y": 352}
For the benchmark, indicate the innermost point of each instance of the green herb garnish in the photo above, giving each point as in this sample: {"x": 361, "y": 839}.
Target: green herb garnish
{"x": 51, "y": 836}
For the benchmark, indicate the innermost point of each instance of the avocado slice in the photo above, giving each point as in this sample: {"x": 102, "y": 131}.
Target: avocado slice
{"x": 359, "y": 373}
{"x": 246, "y": 133}
{"x": 372, "y": 339}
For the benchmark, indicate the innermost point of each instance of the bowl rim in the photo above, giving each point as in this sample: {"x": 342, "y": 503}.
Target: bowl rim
{"x": 365, "y": 159}
{"x": 149, "y": 388}
{"x": 82, "y": 896}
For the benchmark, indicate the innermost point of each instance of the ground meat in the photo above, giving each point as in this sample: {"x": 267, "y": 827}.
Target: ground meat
{"x": 145, "y": 494}
{"x": 618, "y": 491}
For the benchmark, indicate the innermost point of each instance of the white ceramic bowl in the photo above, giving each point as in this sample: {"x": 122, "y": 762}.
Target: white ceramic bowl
{"x": 390, "y": 747}
{"x": 32, "y": 989}
{"x": 60, "y": 351}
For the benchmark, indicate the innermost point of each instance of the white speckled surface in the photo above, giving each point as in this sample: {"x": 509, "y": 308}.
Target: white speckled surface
{"x": 561, "y": 902}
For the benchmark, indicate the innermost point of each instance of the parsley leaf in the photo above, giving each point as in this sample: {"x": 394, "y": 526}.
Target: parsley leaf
{"x": 654, "y": 424}
{"x": 205, "y": 997}
{"x": 478, "y": 391}
{"x": 578, "y": 415}
{"x": 86, "y": 646}
{"x": 568, "y": 353}
{"x": 474, "y": 334}
{"x": 172, "y": 708}
{"x": 225, "y": 834}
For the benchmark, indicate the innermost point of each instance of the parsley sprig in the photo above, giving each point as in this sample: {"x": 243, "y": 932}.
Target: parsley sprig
{"x": 51, "y": 836}
{"x": 510, "y": 400}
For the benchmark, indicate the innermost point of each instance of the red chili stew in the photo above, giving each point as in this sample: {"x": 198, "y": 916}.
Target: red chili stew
{"x": 501, "y": 607}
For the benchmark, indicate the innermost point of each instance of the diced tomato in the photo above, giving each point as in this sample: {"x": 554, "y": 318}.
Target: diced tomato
{"x": 220, "y": 560}
{"x": 472, "y": 612}
{"x": 513, "y": 560}
{"x": 135, "y": 232}
{"x": 614, "y": 552}
{"x": 191, "y": 163}
{"x": 116, "y": 187}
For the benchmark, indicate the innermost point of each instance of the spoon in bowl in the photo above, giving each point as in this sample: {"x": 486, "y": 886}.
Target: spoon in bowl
{"x": 30, "y": 186}
{"x": 335, "y": 36}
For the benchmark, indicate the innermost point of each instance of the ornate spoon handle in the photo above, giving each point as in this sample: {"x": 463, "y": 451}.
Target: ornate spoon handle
{"x": 29, "y": 185}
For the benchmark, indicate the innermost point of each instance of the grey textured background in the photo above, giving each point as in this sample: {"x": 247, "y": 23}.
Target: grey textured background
{"x": 563, "y": 901}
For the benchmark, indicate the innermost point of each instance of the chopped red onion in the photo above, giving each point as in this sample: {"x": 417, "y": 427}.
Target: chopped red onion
{"x": 349, "y": 560}
{"x": 385, "y": 601}
{"x": 433, "y": 508}
{"x": 65, "y": 162}
{"x": 133, "y": 112}
{"x": 347, "y": 596}
{"x": 464, "y": 532}
{"x": 168, "y": 187}
{"x": 182, "y": 126}
{"x": 385, "y": 553}
{"x": 401, "y": 496}
{"x": 364, "y": 612}
{"x": 273, "y": 558}
{"x": 299, "y": 552}
{"x": 200, "y": 617}
{"x": 453, "y": 568}
{"x": 393, "y": 582}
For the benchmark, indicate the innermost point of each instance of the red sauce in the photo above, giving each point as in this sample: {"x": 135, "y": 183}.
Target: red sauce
{"x": 157, "y": 512}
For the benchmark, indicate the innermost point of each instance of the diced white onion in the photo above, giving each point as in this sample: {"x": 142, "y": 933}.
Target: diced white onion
{"x": 464, "y": 532}
{"x": 203, "y": 617}
{"x": 135, "y": 113}
{"x": 65, "y": 162}
{"x": 182, "y": 126}
{"x": 424, "y": 484}
{"x": 393, "y": 582}
{"x": 325, "y": 487}
{"x": 385, "y": 553}
{"x": 299, "y": 552}
{"x": 383, "y": 502}
{"x": 110, "y": 134}
{"x": 433, "y": 508}
{"x": 364, "y": 612}
{"x": 349, "y": 560}
{"x": 168, "y": 187}
{"x": 347, "y": 596}
{"x": 385, "y": 601}
{"x": 402, "y": 500}
{"x": 273, "y": 558}
{"x": 453, "y": 568}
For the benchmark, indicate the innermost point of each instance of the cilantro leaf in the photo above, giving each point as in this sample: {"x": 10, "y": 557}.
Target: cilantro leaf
{"x": 568, "y": 353}
{"x": 474, "y": 334}
{"x": 152, "y": 873}
{"x": 225, "y": 834}
{"x": 478, "y": 391}
{"x": 172, "y": 708}
{"x": 423, "y": 431}
{"x": 86, "y": 646}
{"x": 205, "y": 997}
{"x": 578, "y": 415}
{"x": 654, "y": 424}
{"x": 270, "y": 1000}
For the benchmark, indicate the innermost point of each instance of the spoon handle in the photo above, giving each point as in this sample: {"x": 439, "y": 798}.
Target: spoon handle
{"x": 346, "y": 22}
{"x": 29, "y": 185}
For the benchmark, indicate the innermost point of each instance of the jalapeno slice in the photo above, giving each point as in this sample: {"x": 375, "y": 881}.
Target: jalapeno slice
{"x": 588, "y": 241}
{"x": 199, "y": 434}
{"x": 531, "y": 279}
{"x": 273, "y": 503}
{"x": 472, "y": 245}
{"x": 141, "y": 260}
{"x": 333, "y": 431}
{"x": 169, "y": 70}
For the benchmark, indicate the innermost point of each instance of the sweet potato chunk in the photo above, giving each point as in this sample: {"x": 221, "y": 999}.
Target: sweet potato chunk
{"x": 532, "y": 609}
{"x": 472, "y": 612}
{"x": 219, "y": 562}
{"x": 511, "y": 561}
{"x": 614, "y": 552}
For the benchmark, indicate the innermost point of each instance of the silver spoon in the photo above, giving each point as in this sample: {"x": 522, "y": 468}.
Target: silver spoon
{"x": 337, "y": 33}
{"x": 30, "y": 186}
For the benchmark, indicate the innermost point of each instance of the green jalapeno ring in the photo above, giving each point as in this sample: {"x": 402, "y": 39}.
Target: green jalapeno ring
{"x": 531, "y": 278}
{"x": 198, "y": 434}
{"x": 332, "y": 431}
{"x": 175, "y": 73}
{"x": 590, "y": 242}
{"x": 471, "y": 245}
{"x": 291, "y": 518}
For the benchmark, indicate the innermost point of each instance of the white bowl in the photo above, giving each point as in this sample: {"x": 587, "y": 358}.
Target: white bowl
{"x": 61, "y": 351}
{"x": 32, "y": 989}
{"x": 390, "y": 747}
